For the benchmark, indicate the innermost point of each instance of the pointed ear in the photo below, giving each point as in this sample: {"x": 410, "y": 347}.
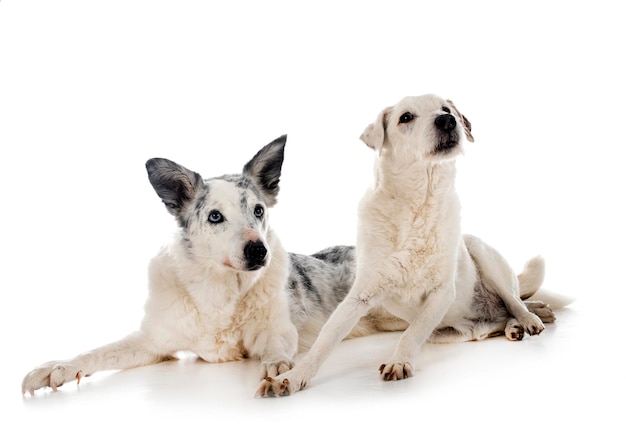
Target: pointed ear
{"x": 374, "y": 134}
{"x": 467, "y": 126}
{"x": 175, "y": 184}
{"x": 265, "y": 168}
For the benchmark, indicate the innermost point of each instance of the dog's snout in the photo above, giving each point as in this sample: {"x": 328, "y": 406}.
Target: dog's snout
{"x": 255, "y": 253}
{"x": 445, "y": 122}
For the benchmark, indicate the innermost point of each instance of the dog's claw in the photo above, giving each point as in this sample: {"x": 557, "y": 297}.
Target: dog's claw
{"x": 272, "y": 387}
{"x": 514, "y": 333}
{"x": 396, "y": 371}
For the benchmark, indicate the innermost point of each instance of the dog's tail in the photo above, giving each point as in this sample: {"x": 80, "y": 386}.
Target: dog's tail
{"x": 531, "y": 279}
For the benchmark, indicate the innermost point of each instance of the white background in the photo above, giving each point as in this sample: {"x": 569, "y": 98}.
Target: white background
{"x": 90, "y": 90}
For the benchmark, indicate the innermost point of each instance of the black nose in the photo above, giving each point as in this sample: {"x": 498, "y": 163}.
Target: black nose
{"x": 445, "y": 122}
{"x": 254, "y": 253}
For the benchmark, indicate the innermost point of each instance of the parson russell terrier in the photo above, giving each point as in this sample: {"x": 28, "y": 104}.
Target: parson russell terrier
{"x": 412, "y": 259}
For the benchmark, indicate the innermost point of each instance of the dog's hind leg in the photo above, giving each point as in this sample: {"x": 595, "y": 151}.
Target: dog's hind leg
{"x": 499, "y": 278}
{"x": 514, "y": 330}
{"x": 129, "y": 352}
{"x": 541, "y": 309}
{"x": 476, "y": 331}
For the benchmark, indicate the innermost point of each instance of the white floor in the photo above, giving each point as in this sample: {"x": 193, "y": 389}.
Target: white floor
{"x": 565, "y": 377}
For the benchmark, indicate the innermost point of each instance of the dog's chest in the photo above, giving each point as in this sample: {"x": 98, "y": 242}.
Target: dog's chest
{"x": 419, "y": 236}
{"x": 218, "y": 331}
{"x": 223, "y": 344}
{"x": 416, "y": 239}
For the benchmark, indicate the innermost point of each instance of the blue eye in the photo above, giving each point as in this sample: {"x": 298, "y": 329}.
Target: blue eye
{"x": 215, "y": 217}
{"x": 259, "y": 211}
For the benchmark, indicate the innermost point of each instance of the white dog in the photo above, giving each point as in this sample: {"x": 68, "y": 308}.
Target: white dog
{"x": 411, "y": 257}
{"x": 225, "y": 289}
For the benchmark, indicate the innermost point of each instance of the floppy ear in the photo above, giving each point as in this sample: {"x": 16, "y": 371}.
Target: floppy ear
{"x": 467, "y": 126}
{"x": 374, "y": 134}
{"x": 265, "y": 168}
{"x": 175, "y": 184}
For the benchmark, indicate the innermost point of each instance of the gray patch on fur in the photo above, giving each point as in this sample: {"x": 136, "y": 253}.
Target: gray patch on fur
{"x": 174, "y": 184}
{"x": 318, "y": 283}
{"x": 265, "y": 169}
{"x": 487, "y": 306}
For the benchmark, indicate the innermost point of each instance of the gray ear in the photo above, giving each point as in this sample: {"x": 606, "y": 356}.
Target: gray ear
{"x": 467, "y": 126}
{"x": 175, "y": 184}
{"x": 374, "y": 134}
{"x": 265, "y": 168}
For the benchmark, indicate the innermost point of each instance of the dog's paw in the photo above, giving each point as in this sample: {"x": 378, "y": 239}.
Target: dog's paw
{"x": 514, "y": 331}
{"x": 283, "y": 384}
{"x": 51, "y": 374}
{"x": 532, "y": 324}
{"x": 542, "y": 310}
{"x": 273, "y": 387}
{"x": 396, "y": 371}
{"x": 275, "y": 368}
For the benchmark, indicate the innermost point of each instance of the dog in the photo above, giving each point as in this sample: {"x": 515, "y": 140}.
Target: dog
{"x": 412, "y": 259}
{"x": 224, "y": 289}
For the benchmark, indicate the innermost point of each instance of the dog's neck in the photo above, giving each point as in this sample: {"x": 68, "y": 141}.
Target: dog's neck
{"x": 415, "y": 180}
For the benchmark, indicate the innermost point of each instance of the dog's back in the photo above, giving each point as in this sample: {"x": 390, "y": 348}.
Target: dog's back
{"x": 318, "y": 283}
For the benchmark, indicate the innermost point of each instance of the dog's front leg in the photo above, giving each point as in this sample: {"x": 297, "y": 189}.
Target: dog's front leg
{"x": 338, "y": 326}
{"x": 431, "y": 310}
{"x": 279, "y": 347}
{"x": 129, "y": 352}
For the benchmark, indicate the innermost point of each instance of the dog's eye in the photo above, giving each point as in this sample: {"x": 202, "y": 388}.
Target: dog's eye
{"x": 258, "y": 211}
{"x": 445, "y": 109}
{"x": 406, "y": 117}
{"x": 215, "y": 217}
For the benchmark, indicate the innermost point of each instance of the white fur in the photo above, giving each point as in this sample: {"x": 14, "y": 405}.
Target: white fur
{"x": 412, "y": 259}
{"x": 201, "y": 297}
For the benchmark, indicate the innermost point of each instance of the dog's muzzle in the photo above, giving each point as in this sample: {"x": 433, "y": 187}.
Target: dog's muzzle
{"x": 255, "y": 253}
{"x": 448, "y": 137}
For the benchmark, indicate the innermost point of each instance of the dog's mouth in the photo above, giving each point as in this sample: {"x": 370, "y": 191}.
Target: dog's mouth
{"x": 447, "y": 142}
{"x": 244, "y": 266}
{"x": 250, "y": 266}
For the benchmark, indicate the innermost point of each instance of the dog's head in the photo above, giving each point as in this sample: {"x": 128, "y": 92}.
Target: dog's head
{"x": 427, "y": 127}
{"x": 224, "y": 219}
